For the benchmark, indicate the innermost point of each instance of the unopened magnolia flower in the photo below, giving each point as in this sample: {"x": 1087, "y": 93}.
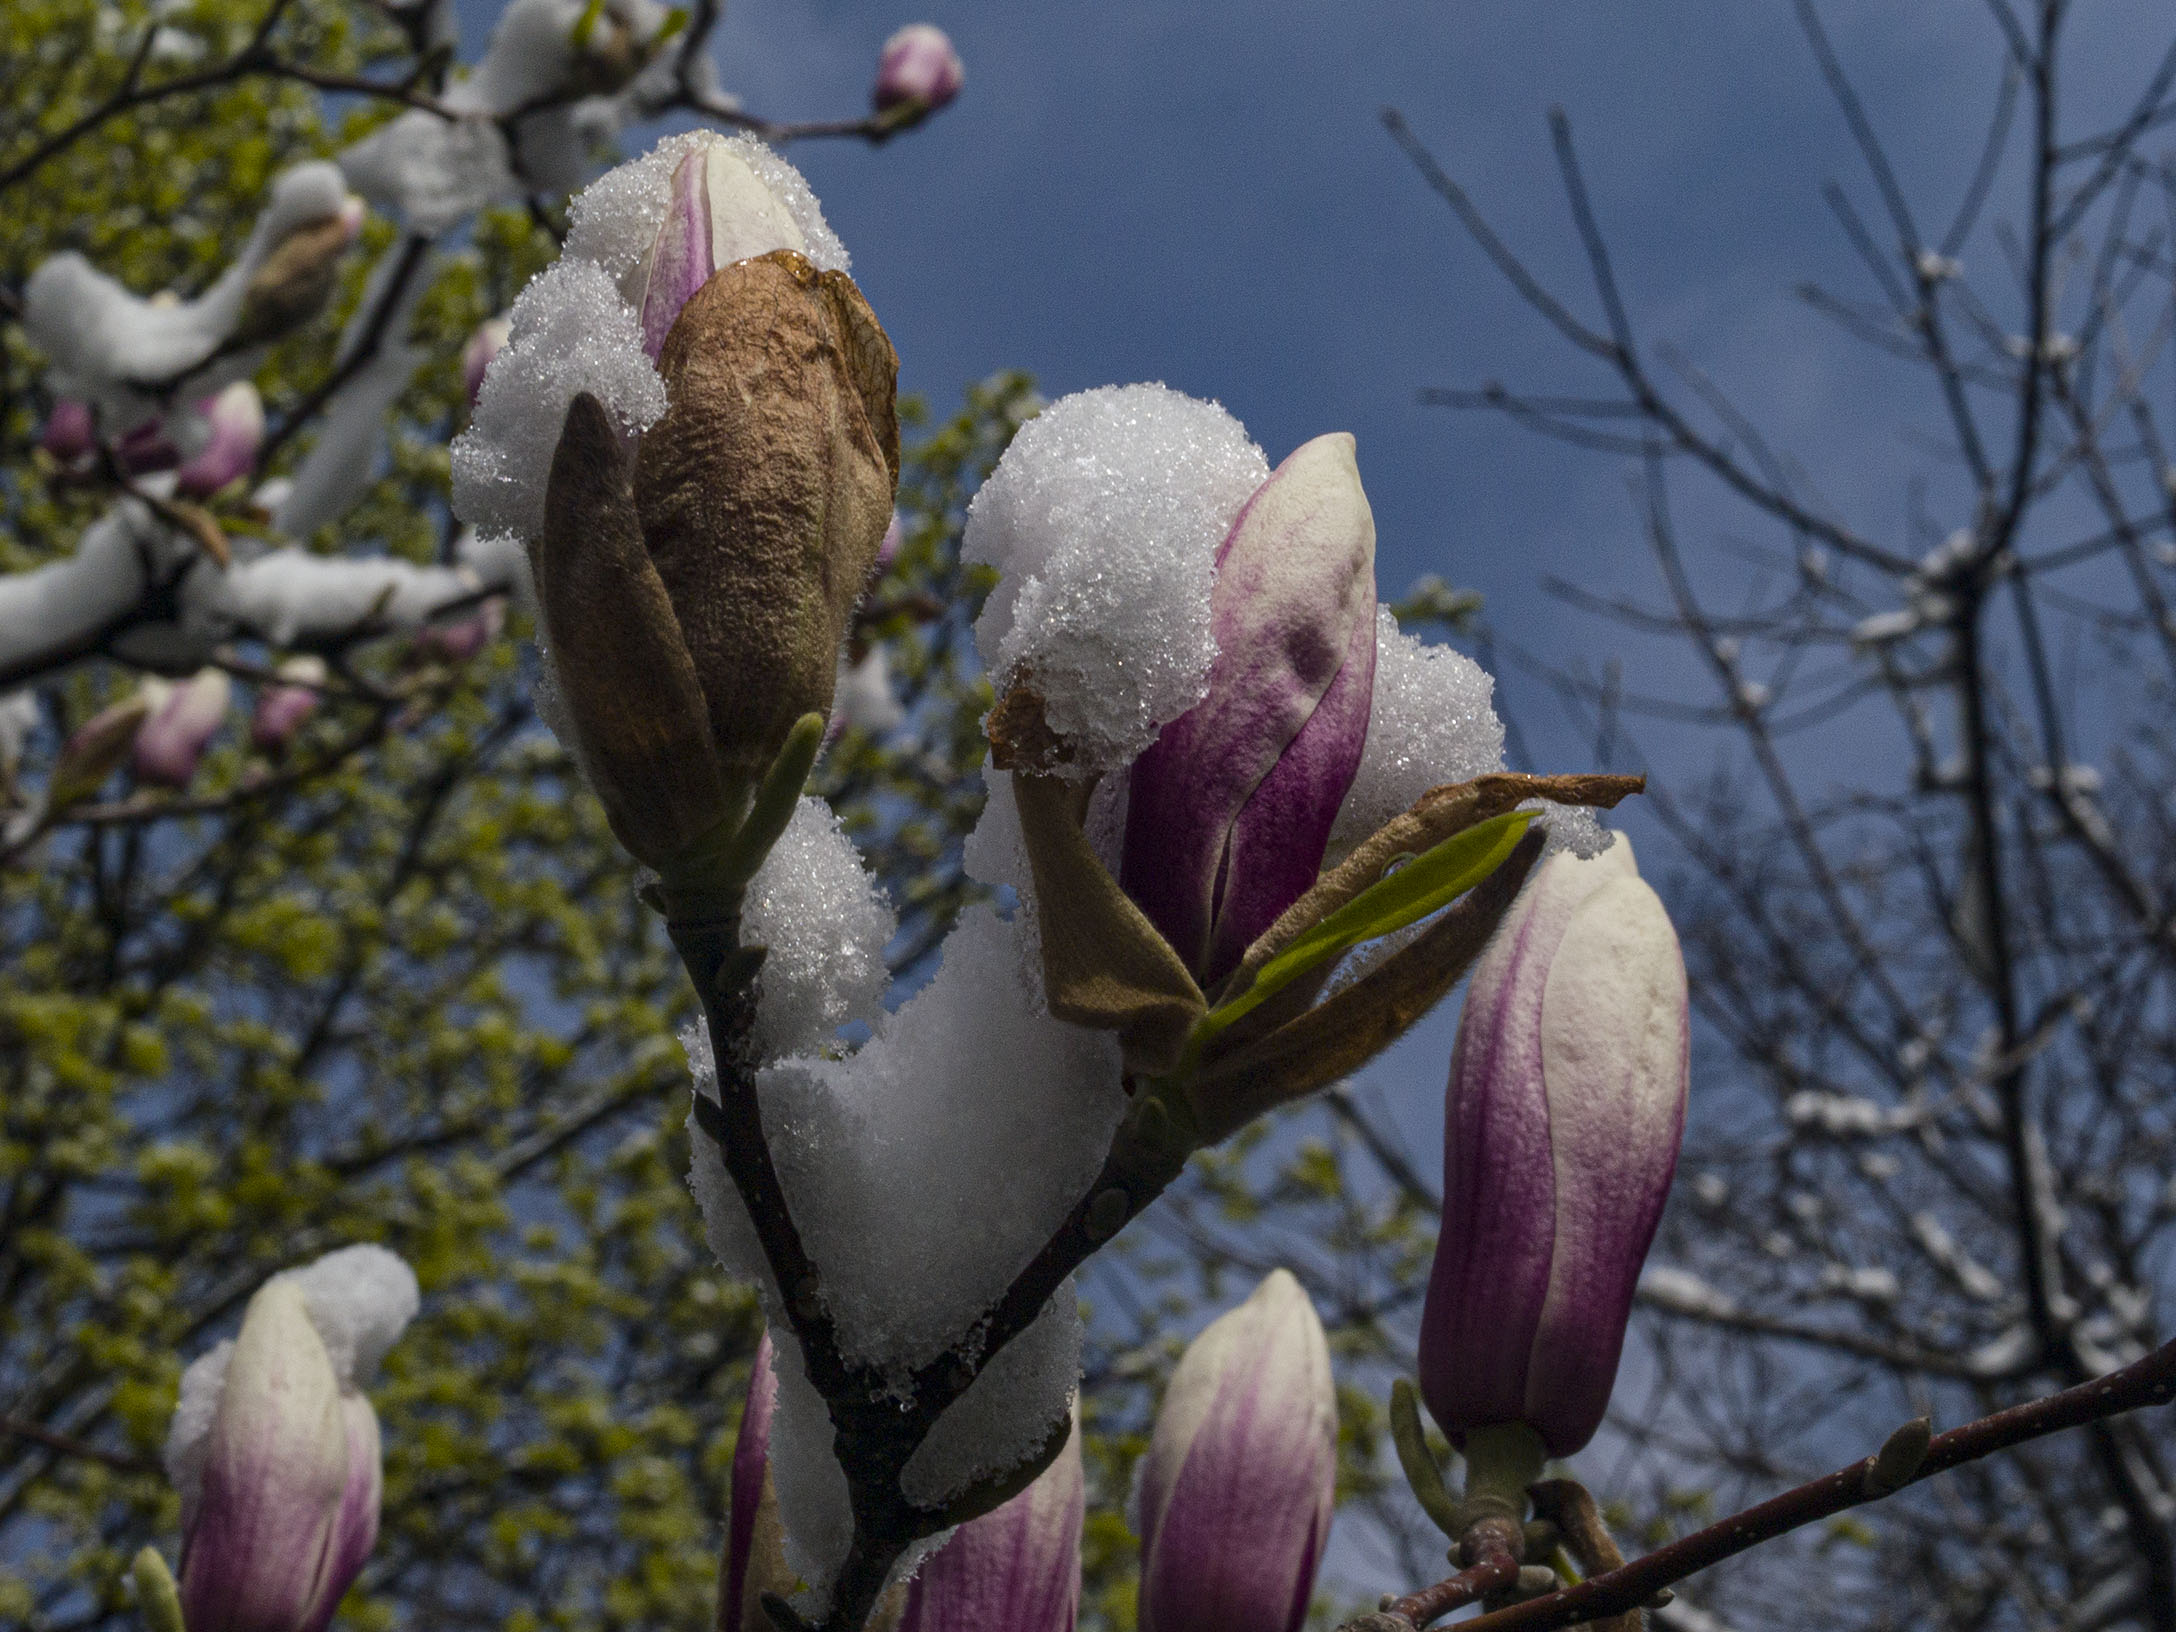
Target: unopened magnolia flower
{"x": 96, "y": 748}
{"x": 69, "y": 433}
{"x": 174, "y": 738}
{"x": 1562, "y": 1125}
{"x": 274, "y": 1447}
{"x": 234, "y": 431}
{"x": 1015, "y": 1567}
{"x": 917, "y": 70}
{"x": 476, "y": 356}
{"x": 695, "y": 598}
{"x": 755, "y": 1559}
{"x": 1230, "y": 809}
{"x": 458, "y": 640}
{"x": 1240, "y": 1478}
{"x": 282, "y": 708}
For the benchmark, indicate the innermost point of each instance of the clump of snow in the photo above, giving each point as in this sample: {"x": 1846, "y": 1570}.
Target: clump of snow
{"x": 188, "y": 1437}
{"x": 929, "y": 1168}
{"x": 570, "y": 332}
{"x": 1009, "y": 1410}
{"x": 924, "y": 1172}
{"x": 826, "y": 923}
{"x": 115, "y": 348}
{"x": 360, "y": 1299}
{"x": 433, "y": 171}
{"x": 1430, "y": 723}
{"x": 1103, "y": 519}
{"x": 813, "y": 1503}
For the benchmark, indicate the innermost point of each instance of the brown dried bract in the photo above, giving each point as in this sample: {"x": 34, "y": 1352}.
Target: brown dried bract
{"x": 1020, "y": 736}
{"x": 765, "y": 490}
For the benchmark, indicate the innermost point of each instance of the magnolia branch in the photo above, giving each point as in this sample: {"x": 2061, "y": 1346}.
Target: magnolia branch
{"x": 877, "y": 1435}
{"x": 2151, "y": 1381}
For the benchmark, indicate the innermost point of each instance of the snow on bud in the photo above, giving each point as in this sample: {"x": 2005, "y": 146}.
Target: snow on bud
{"x": 720, "y": 211}
{"x": 234, "y": 420}
{"x": 274, "y": 1448}
{"x": 1240, "y": 1478}
{"x": 1230, "y": 809}
{"x": 173, "y": 740}
{"x": 281, "y": 709}
{"x": 1565, "y": 1110}
{"x": 917, "y": 70}
{"x": 1016, "y": 1567}
{"x": 476, "y": 356}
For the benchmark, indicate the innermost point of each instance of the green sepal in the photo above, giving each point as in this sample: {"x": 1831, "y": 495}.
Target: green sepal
{"x": 1430, "y": 881}
{"x": 1418, "y": 1461}
{"x": 158, "y": 1600}
{"x": 708, "y": 878}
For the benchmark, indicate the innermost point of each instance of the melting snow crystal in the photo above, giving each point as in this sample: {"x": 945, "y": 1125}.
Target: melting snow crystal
{"x": 1104, "y": 517}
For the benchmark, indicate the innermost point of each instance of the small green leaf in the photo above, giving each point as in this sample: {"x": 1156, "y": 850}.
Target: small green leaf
{"x": 1430, "y": 880}
{"x": 675, "y": 20}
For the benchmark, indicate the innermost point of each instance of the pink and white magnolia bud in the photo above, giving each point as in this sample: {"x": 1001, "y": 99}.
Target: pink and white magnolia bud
{"x": 917, "y": 67}
{"x": 174, "y": 738}
{"x": 457, "y": 642}
{"x": 276, "y": 1448}
{"x": 1565, "y": 1112}
{"x": 755, "y": 1558}
{"x": 1016, "y": 1567}
{"x": 887, "y": 552}
{"x": 483, "y": 345}
{"x": 1230, "y": 809}
{"x": 96, "y": 748}
{"x": 70, "y": 433}
{"x": 235, "y": 418}
{"x": 1240, "y": 1478}
{"x": 282, "y": 709}
{"x": 720, "y": 211}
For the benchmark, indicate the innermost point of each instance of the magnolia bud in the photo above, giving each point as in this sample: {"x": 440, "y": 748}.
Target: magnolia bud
{"x": 275, "y": 1447}
{"x": 174, "y": 738}
{"x": 476, "y": 356}
{"x": 293, "y": 282}
{"x": 70, "y": 433}
{"x": 1565, "y": 1111}
{"x": 917, "y": 68}
{"x": 1015, "y": 1567}
{"x": 695, "y": 604}
{"x": 458, "y": 641}
{"x": 755, "y": 1555}
{"x": 96, "y": 748}
{"x": 719, "y": 212}
{"x": 235, "y": 418}
{"x": 1240, "y": 1478}
{"x": 281, "y": 709}
{"x": 1230, "y": 809}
